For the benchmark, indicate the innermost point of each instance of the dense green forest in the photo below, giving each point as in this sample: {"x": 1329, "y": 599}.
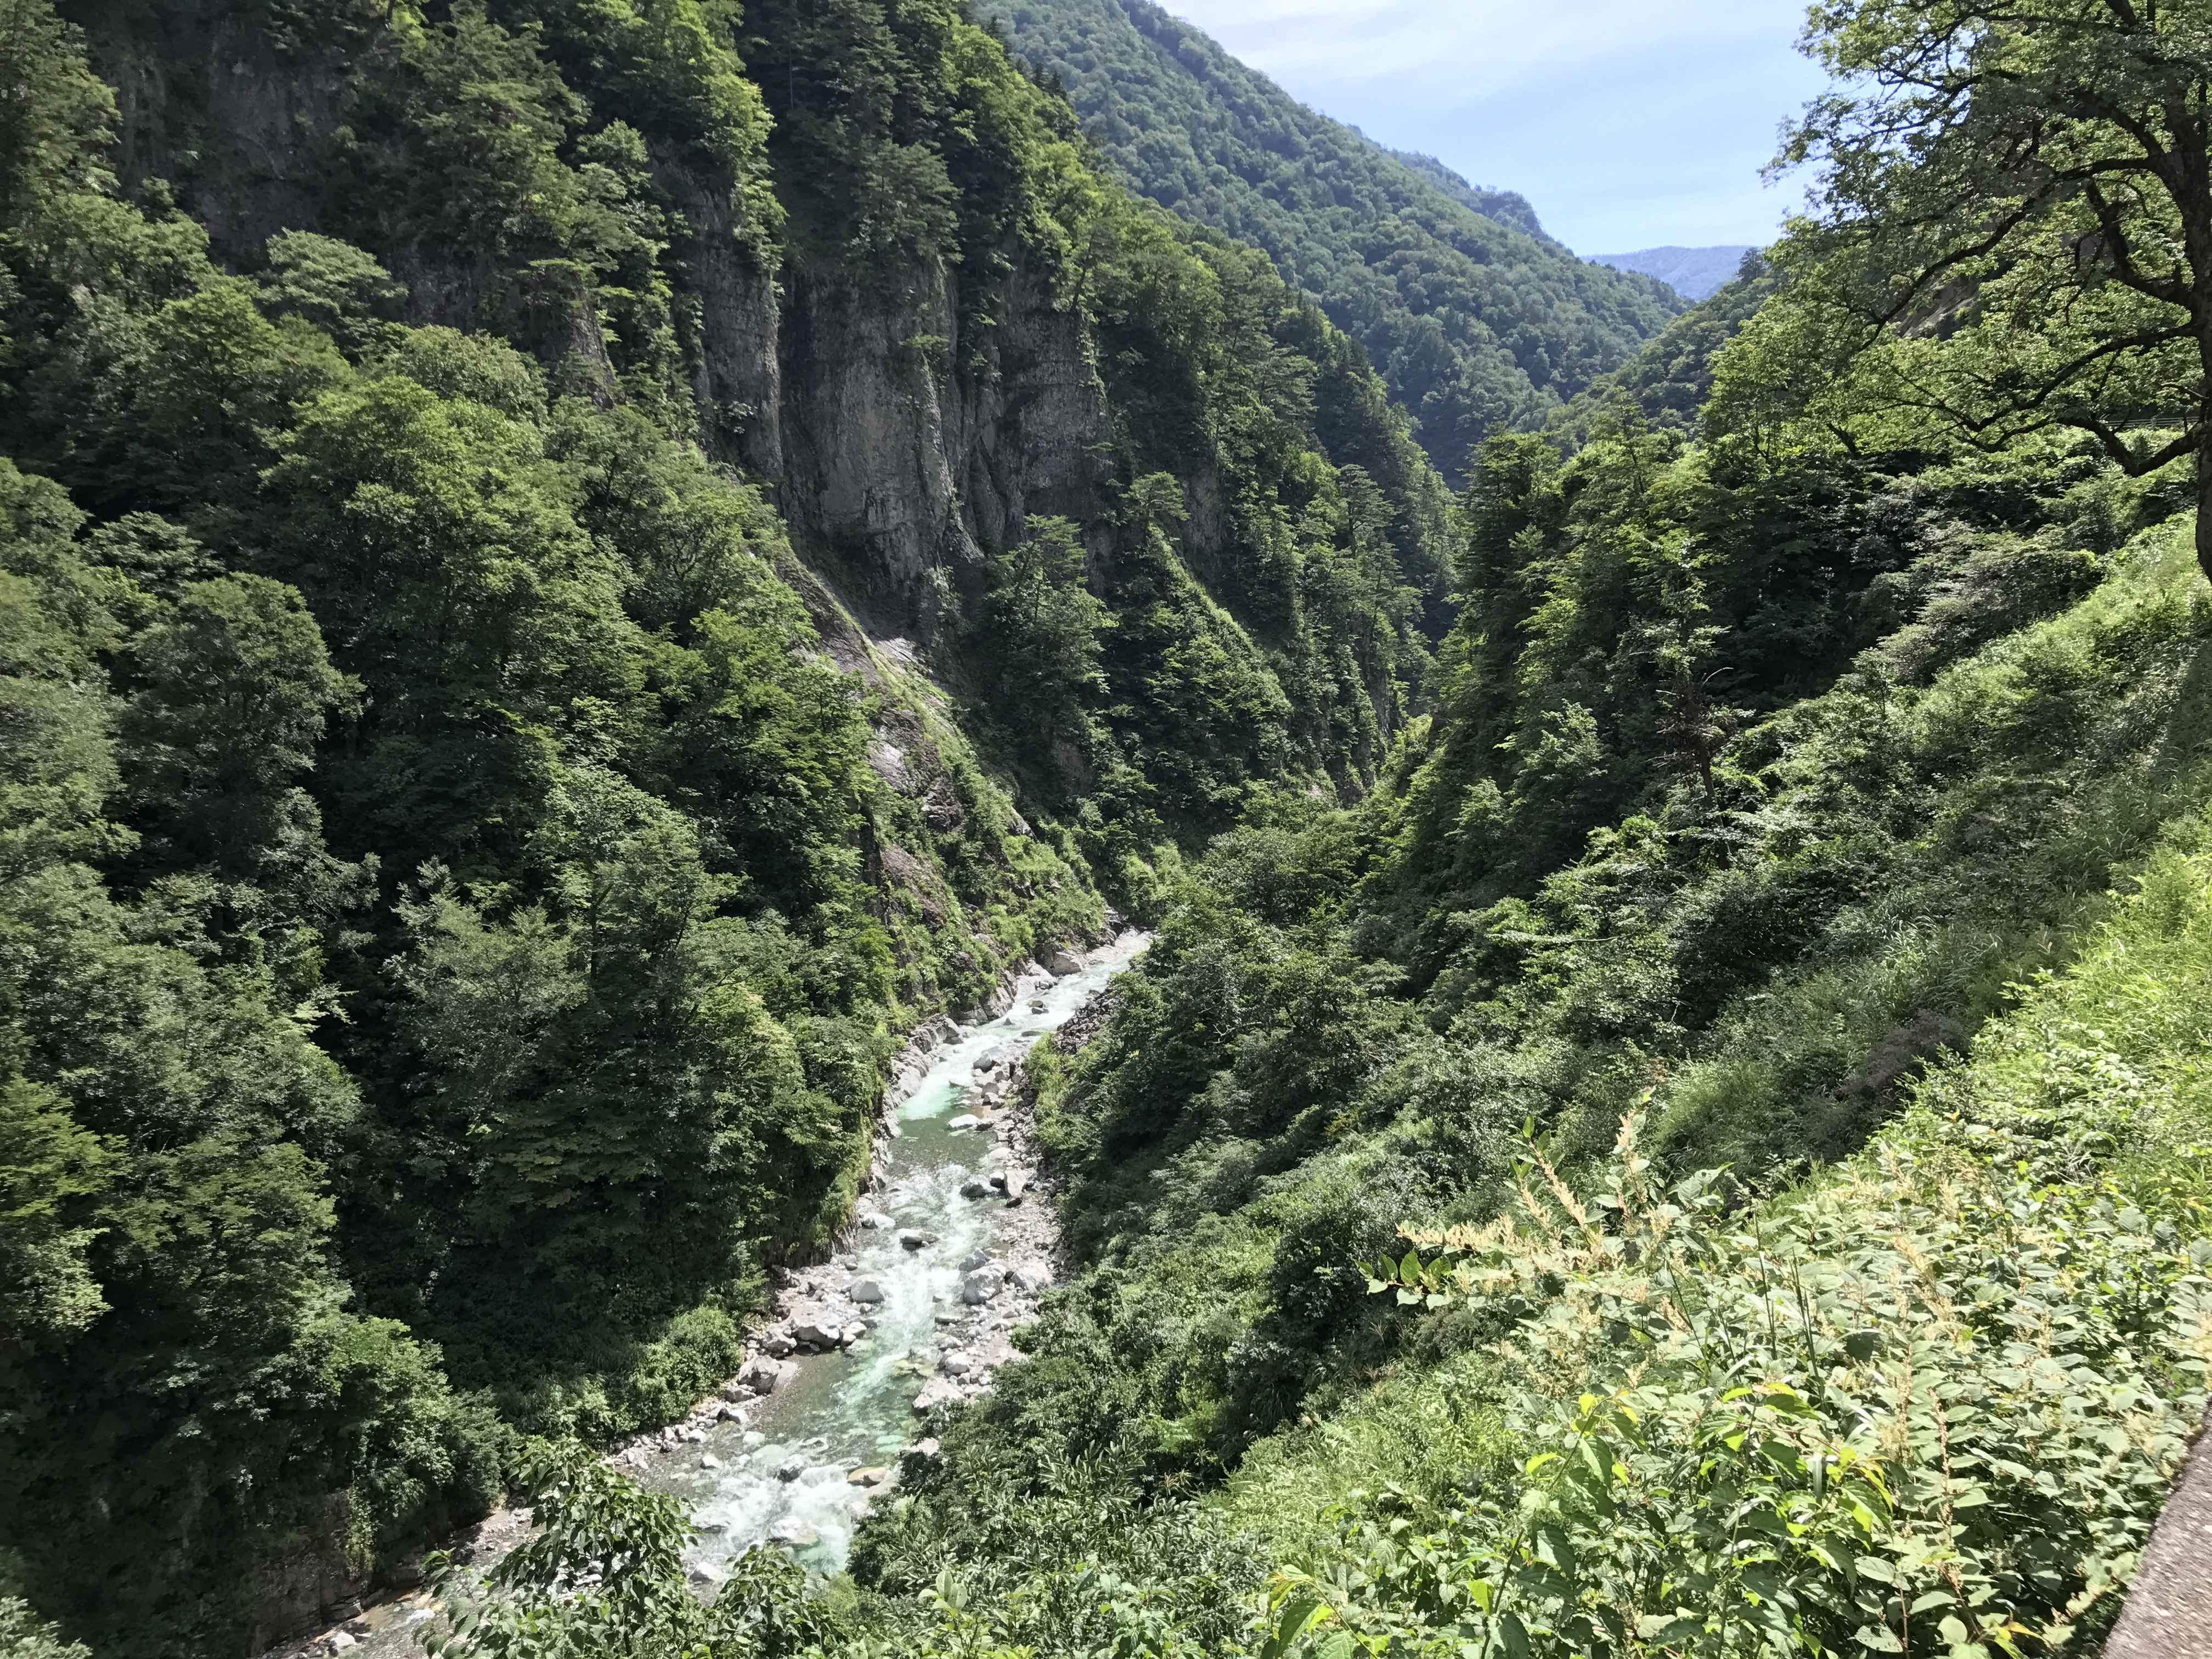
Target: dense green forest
{"x": 573, "y": 570}
{"x": 471, "y": 857}
{"x": 1475, "y": 319}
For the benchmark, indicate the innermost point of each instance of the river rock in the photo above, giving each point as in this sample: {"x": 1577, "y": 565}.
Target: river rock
{"x": 973, "y": 1260}
{"x": 979, "y": 1287}
{"x": 956, "y": 1365}
{"x": 708, "y": 1461}
{"x": 1061, "y": 961}
{"x": 795, "y": 1532}
{"x": 865, "y": 1290}
{"x": 777, "y": 1344}
{"x": 974, "y": 1187}
{"x": 790, "y": 1468}
{"x": 731, "y": 1414}
{"x": 338, "y": 1641}
{"x": 875, "y": 1221}
{"x": 877, "y": 1476}
{"x": 1031, "y": 1276}
{"x": 911, "y": 1240}
{"x": 937, "y": 1394}
{"x": 1016, "y": 1183}
{"x": 766, "y": 1375}
{"x": 965, "y": 1121}
{"x": 923, "y": 1448}
{"x": 816, "y": 1330}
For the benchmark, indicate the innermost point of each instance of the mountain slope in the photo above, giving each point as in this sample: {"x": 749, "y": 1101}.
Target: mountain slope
{"x": 1692, "y": 272}
{"x": 1476, "y": 320}
{"x": 567, "y": 573}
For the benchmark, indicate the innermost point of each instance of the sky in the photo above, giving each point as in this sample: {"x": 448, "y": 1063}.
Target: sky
{"x": 1628, "y": 124}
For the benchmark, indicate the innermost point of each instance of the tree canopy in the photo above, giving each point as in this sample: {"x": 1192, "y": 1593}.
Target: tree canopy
{"x": 2011, "y": 229}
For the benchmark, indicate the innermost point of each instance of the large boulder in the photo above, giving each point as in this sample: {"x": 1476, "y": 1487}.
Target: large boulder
{"x": 937, "y": 1394}
{"x": 866, "y": 1290}
{"x": 1062, "y": 962}
{"x": 766, "y": 1376}
{"x": 979, "y": 1287}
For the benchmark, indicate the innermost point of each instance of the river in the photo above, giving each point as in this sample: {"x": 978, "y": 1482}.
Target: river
{"x": 787, "y": 1474}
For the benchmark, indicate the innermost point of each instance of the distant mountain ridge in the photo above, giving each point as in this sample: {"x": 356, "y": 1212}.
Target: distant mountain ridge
{"x": 1477, "y": 320}
{"x": 1695, "y": 273}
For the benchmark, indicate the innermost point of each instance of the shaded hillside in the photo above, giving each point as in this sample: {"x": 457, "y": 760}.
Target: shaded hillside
{"x": 1476, "y": 320}
{"x": 1672, "y": 376}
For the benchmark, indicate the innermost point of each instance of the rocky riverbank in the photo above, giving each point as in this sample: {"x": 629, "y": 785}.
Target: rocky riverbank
{"x": 831, "y": 1305}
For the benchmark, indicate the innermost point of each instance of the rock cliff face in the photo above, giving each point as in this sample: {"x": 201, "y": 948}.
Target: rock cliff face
{"x": 910, "y": 401}
{"x": 903, "y": 450}
{"x": 896, "y": 447}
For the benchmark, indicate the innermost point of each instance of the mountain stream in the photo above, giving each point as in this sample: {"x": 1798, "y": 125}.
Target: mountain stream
{"x": 803, "y": 1467}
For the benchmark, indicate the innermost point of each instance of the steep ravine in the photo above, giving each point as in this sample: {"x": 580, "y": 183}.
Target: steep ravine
{"x": 951, "y": 1247}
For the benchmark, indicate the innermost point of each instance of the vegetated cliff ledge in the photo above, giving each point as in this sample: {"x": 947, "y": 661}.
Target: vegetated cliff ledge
{"x": 911, "y": 402}
{"x": 898, "y": 437}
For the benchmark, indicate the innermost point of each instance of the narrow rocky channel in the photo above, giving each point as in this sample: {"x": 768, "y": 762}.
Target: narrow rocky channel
{"x": 949, "y": 1253}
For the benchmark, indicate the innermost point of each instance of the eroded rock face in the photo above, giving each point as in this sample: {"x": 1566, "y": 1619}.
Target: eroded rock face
{"x": 898, "y": 437}
{"x": 907, "y": 447}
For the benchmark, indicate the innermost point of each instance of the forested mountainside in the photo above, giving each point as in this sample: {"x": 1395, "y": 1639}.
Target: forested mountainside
{"x": 1475, "y": 319}
{"x": 1709, "y": 1156}
{"x": 571, "y": 570}
{"x": 1668, "y": 381}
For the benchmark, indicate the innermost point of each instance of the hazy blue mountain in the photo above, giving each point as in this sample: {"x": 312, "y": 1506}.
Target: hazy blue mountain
{"x": 1692, "y": 272}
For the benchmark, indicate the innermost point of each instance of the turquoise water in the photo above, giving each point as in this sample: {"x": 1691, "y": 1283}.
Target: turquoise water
{"x": 856, "y": 1408}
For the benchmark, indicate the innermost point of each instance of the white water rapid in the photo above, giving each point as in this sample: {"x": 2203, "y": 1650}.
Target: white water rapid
{"x": 787, "y": 1475}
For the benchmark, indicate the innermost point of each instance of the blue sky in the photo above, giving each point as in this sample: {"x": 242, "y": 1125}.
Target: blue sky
{"x": 1629, "y": 124}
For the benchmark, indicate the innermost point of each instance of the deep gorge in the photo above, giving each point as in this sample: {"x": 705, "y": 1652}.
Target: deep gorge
{"x": 580, "y": 578}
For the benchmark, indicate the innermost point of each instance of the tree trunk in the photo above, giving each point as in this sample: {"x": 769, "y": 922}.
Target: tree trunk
{"x": 2204, "y": 506}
